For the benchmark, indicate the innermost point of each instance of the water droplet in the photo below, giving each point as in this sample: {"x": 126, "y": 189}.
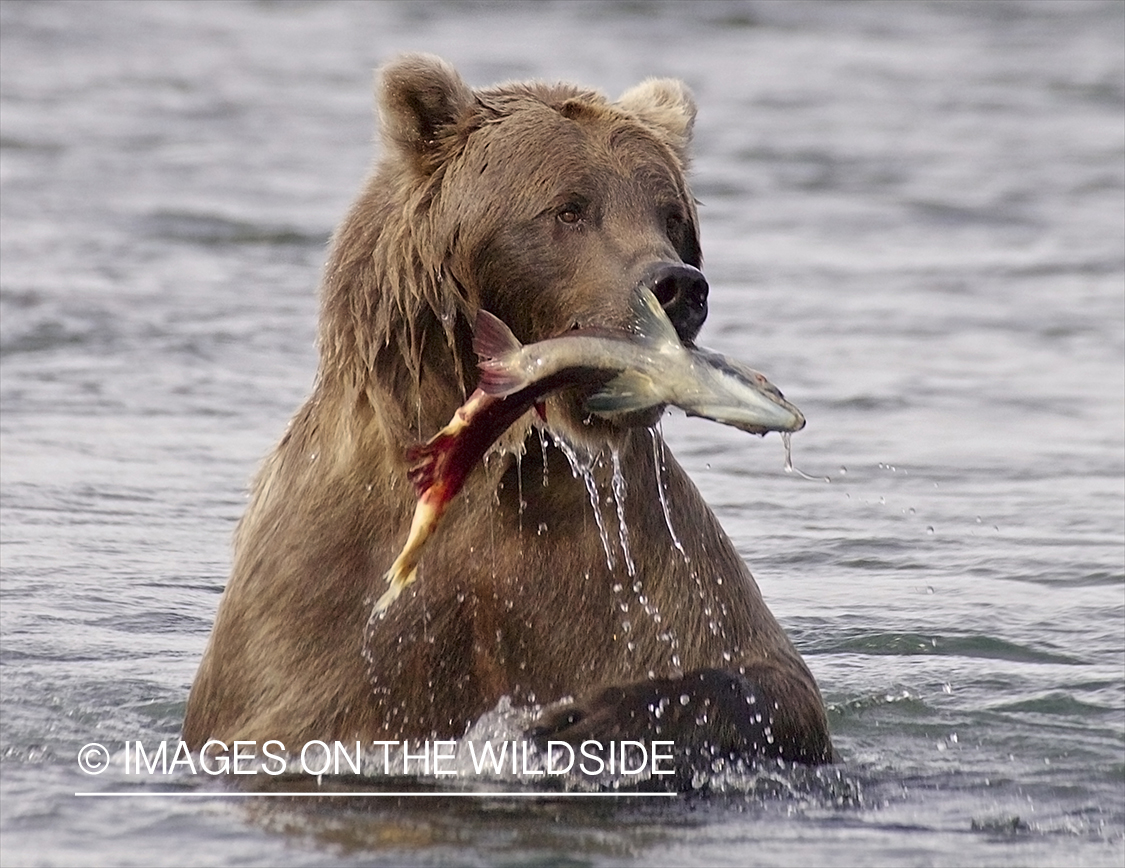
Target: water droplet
{"x": 787, "y": 440}
{"x": 619, "y": 491}
{"x": 930, "y": 529}
{"x": 658, "y": 464}
{"x": 582, "y": 466}
{"x": 543, "y": 451}
{"x": 843, "y": 470}
{"x": 684, "y": 699}
{"x": 542, "y": 528}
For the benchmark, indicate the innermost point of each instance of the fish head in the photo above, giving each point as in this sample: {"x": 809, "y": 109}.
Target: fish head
{"x": 739, "y": 396}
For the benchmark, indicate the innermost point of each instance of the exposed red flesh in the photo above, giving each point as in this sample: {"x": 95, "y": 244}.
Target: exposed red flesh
{"x": 438, "y": 468}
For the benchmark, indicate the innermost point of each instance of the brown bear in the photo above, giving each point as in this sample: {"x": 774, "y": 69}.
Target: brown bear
{"x": 547, "y": 205}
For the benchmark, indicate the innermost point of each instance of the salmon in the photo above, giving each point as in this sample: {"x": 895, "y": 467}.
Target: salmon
{"x": 625, "y": 371}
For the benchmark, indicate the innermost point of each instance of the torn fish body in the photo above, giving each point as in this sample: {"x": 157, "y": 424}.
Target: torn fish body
{"x": 654, "y": 368}
{"x": 439, "y": 467}
{"x": 626, "y": 371}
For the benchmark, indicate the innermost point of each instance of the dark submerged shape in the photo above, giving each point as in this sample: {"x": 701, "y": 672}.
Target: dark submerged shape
{"x": 545, "y": 204}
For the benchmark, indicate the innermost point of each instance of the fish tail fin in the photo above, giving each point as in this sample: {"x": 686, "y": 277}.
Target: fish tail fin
{"x": 398, "y": 582}
{"x": 404, "y": 571}
{"x": 650, "y": 322}
{"x": 625, "y": 393}
{"x": 494, "y": 343}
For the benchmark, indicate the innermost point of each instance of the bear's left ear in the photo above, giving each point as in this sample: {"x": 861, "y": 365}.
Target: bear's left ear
{"x": 666, "y": 104}
{"x": 421, "y": 96}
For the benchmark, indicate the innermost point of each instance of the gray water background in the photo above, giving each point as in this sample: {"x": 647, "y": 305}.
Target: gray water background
{"x": 913, "y": 221}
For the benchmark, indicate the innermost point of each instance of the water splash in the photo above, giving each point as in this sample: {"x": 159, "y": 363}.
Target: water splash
{"x": 619, "y": 491}
{"x": 583, "y": 466}
{"x": 543, "y": 451}
{"x": 658, "y": 466}
{"x": 583, "y": 463}
{"x": 787, "y": 439}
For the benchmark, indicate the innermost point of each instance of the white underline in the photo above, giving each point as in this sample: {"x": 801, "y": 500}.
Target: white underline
{"x": 452, "y": 794}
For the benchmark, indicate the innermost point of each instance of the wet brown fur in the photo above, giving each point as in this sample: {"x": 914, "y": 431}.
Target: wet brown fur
{"x": 463, "y": 211}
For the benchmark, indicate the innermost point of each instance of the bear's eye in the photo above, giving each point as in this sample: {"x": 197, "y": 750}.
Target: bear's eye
{"x": 674, "y": 222}
{"x": 570, "y": 213}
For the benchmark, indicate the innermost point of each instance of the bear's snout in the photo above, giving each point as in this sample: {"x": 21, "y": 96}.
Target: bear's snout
{"x": 682, "y": 292}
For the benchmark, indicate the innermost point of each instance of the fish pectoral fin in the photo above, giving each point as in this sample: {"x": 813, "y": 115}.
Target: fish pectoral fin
{"x": 651, "y": 323}
{"x": 625, "y": 393}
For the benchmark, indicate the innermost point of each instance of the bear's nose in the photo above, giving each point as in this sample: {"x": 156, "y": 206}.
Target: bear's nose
{"x": 682, "y": 292}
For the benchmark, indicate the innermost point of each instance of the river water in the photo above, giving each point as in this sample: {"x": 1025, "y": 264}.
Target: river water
{"x": 913, "y": 221}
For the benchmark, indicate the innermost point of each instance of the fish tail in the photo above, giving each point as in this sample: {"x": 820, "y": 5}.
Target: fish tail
{"x": 494, "y": 343}
{"x": 398, "y": 582}
{"x": 404, "y": 570}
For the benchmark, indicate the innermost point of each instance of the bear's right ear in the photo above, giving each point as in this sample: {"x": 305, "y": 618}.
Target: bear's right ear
{"x": 421, "y": 96}
{"x": 667, "y": 105}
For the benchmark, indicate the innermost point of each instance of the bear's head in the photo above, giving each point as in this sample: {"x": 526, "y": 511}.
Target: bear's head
{"x": 544, "y": 204}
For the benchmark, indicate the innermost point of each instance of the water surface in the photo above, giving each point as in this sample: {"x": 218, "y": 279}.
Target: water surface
{"x": 913, "y": 222}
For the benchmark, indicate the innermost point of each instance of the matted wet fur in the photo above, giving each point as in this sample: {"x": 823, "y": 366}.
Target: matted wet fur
{"x": 545, "y": 204}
